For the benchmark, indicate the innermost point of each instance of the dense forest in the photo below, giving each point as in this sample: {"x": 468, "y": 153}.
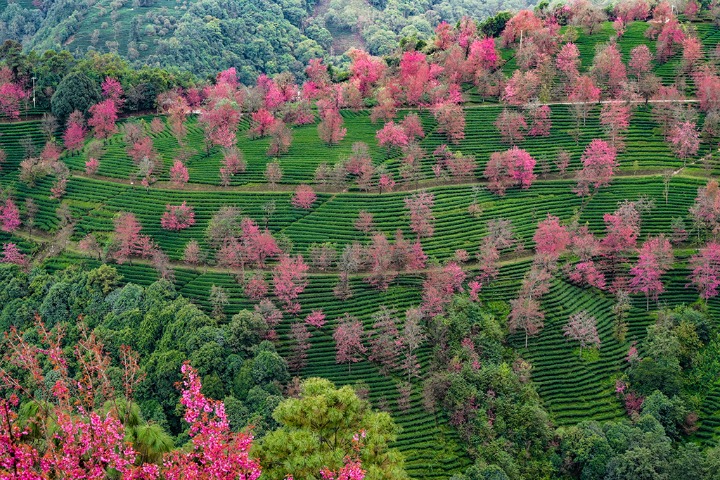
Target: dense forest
{"x": 488, "y": 251}
{"x": 204, "y": 37}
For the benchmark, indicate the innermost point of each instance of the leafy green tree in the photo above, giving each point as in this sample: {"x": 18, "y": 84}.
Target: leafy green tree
{"x": 246, "y": 330}
{"x": 75, "y": 92}
{"x": 317, "y": 431}
{"x": 269, "y": 366}
{"x": 670, "y": 412}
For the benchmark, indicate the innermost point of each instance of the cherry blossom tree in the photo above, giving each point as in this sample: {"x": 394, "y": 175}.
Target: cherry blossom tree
{"x": 304, "y": 197}
{"x": 384, "y": 339}
{"x": 670, "y": 35}
{"x": 178, "y": 217}
{"x": 439, "y": 288}
{"x": 705, "y": 274}
{"x": 364, "y": 222}
{"x": 615, "y": 119}
{"x": 233, "y": 163}
{"x": 567, "y": 61}
{"x": 691, "y": 9}
{"x": 707, "y": 83}
{"x": 488, "y": 258}
{"x": 551, "y": 238}
{"x": 157, "y": 126}
{"x": 74, "y": 137}
{"x": 348, "y": 336}
{"x": 522, "y": 24}
{"x": 83, "y": 441}
{"x": 12, "y": 254}
{"x": 521, "y": 88}
{"x": 216, "y": 451}
{"x": 525, "y": 315}
{"x": 684, "y": 139}
{"x": 379, "y": 255}
{"x": 192, "y": 253}
{"x": 386, "y": 108}
{"x": 179, "y": 175}
{"x": 386, "y": 182}
{"x": 330, "y": 128}
{"x": 318, "y": 79}
{"x": 360, "y": 165}
{"x": 112, "y": 90}
{"x": 623, "y": 230}
{"x": 220, "y": 122}
{"x": 300, "y": 335}
{"x": 392, "y": 135}
{"x": 90, "y": 245}
{"x": 512, "y": 167}
{"x": 58, "y": 189}
{"x": 609, "y": 70}
{"x": 445, "y": 36}
{"x": 91, "y": 166}
{"x": 451, "y": 121}
{"x": 586, "y": 246}
{"x": 280, "y": 139}
{"x": 655, "y": 257}
{"x": 262, "y": 121}
{"x": 315, "y": 318}
{"x": 692, "y": 53}
{"x": 706, "y": 209}
{"x": 9, "y": 216}
{"x": 257, "y": 245}
{"x": 640, "y": 61}
{"x": 127, "y": 240}
{"x": 255, "y": 287}
{"x": 142, "y": 149}
{"x": 411, "y": 166}
{"x": 421, "y": 217}
{"x": 461, "y": 167}
{"x": 11, "y": 94}
{"x": 412, "y": 126}
{"x": 562, "y": 161}
{"x": 273, "y": 173}
{"x": 482, "y": 55}
{"x": 177, "y": 108}
{"x": 417, "y": 76}
{"x": 322, "y": 255}
{"x": 599, "y": 163}
{"x": 512, "y": 126}
{"x": 365, "y": 69}
{"x": 583, "y": 94}
{"x": 540, "y": 121}
{"x": 585, "y": 14}
{"x": 582, "y": 327}
{"x": 103, "y": 116}
{"x": 289, "y": 281}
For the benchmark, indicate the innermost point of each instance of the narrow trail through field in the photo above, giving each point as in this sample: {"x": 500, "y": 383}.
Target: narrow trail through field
{"x": 601, "y": 102}
{"x": 409, "y": 187}
{"x": 48, "y": 250}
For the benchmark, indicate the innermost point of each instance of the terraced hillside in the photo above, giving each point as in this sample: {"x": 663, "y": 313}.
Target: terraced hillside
{"x": 572, "y": 387}
{"x": 481, "y": 140}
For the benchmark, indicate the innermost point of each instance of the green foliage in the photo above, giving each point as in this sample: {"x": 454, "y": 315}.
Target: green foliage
{"x": 496, "y": 411}
{"x": 165, "y": 328}
{"x": 317, "y": 429}
{"x": 75, "y": 92}
{"x": 670, "y": 413}
{"x": 623, "y": 451}
{"x": 493, "y": 26}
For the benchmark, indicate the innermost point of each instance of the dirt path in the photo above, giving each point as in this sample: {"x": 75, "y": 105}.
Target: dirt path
{"x": 409, "y": 187}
